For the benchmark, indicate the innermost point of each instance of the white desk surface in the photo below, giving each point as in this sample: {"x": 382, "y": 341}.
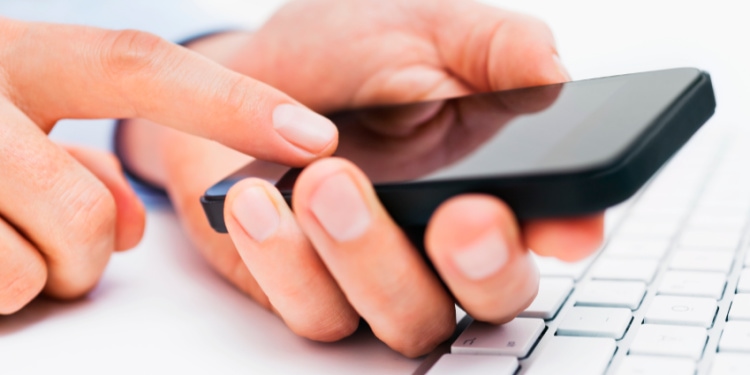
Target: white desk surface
{"x": 161, "y": 309}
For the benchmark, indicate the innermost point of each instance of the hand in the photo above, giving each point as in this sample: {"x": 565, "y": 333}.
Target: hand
{"x": 63, "y": 211}
{"x": 339, "y": 256}
{"x": 404, "y": 143}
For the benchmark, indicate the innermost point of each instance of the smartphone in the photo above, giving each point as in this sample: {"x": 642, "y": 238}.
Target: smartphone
{"x": 551, "y": 151}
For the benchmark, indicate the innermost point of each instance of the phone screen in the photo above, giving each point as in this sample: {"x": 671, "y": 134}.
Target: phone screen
{"x": 513, "y": 132}
{"x": 558, "y": 128}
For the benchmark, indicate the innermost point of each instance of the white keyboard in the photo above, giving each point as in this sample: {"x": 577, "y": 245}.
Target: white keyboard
{"x": 668, "y": 293}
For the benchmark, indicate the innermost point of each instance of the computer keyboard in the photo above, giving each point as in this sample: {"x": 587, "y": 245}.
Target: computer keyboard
{"x": 668, "y": 293}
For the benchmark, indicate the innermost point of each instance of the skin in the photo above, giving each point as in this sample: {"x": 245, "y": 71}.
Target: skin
{"x": 65, "y": 210}
{"x": 392, "y": 52}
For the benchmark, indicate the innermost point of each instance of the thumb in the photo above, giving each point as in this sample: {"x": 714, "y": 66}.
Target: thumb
{"x": 494, "y": 49}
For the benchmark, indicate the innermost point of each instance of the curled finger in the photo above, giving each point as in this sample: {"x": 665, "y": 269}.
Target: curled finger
{"x": 475, "y": 244}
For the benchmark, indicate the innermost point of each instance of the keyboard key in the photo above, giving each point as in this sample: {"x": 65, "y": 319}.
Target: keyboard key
{"x": 713, "y": 221}
{"x": 672, "y": 341}
{"x": 460, "y": 314}
{"x": 743, "y": 286}
{"x": 553, "y": 291}
{"x": 451, "y": 364}
{"x": 740, "y": 309}
{"x": 737, "y": 205}
{"x": 595, "y": 322}
{"x": 613, "y": 216}
{"x": 647, "y": 226}
{"x": 611, "y": 294}
{"x": 677, "y": 211}
{"x": 681, "y": 311}
{"x": 647, "y": 365}
{"x": 553, "y": 267}
{"x": 702, "y": 260}
{"x": 625, "y": 269}
{"x": 713, "y": 240}
{"x": 736, "y": 337}
{"x": 696, "y": 284}
{"x": 573, "y": 355}
{"x": 513, "y": 338}
{"x": 730, "y": 364}
{"x": 637, "y": 248}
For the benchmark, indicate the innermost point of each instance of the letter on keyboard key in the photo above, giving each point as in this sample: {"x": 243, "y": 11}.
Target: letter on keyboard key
{"x": 573, "y": 355}
{"x": 735, "y": 338}
{"x": 687, "y": 311}
{"x": 730, "y": 364}
{"x": 673, "y": 341}
{"x": 647, "y": 365}
{"x": 740, "y": 309}
{"x": 513, "y": 338}
{"x": 697, "y": 284}
{"x": 451, "y": 364}
{"x": 595, "y": 322}
{"x": 602, "y": 293}
{"x": 625, "y": 269}
{"x": 553, "y": 291}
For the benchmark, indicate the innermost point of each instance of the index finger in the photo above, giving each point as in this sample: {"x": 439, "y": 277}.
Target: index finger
{"x": 65, "y": 71}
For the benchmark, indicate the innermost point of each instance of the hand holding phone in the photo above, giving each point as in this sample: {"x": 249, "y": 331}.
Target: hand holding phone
{"x": 561, "y": 150}
{"x": 569, "y": 149}
{"x": 476, "y": 56}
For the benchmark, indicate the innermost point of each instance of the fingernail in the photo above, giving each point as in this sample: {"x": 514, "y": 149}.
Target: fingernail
{"x": 256, "y": 213}
{"x": 303, "y": 127}
{"x": 483, "y": 257}
{"x": 560, "y": 67}
{"x": 340, "y": 209}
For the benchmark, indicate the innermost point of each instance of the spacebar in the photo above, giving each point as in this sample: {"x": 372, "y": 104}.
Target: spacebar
{"x": 573, "y": 355}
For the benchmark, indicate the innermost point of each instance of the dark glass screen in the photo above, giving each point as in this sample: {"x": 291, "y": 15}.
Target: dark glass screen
{"x": 548, "y": 129}
{"x": 555, "y": 128}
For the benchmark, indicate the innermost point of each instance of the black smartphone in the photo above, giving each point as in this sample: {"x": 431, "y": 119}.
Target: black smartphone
{"x": 552, "y": 151}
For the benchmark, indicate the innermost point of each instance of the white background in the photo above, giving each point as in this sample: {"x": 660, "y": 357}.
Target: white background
{"x": 160, "y": 309}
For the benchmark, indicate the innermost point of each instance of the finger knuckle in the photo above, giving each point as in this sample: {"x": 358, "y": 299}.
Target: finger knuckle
{"x": 87, "y": 242}
{"x": 418, "y": 340}
{"x": 418, "y": 329}
{"x": 501, "y": 305}
{"x": 92, "y": 215}
{"x": 19, "y": 285}
{"x": 330, "y": 329}
{"x": 239, "y": 95}
{"x": 532, "y": 27}
{"x": 128, "y": 52}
